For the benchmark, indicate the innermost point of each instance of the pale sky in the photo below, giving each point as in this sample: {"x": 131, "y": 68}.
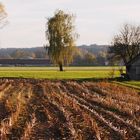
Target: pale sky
{"x": 96, "y": 20}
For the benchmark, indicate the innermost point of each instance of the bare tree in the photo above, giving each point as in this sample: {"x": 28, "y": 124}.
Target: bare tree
{"x": 125, "y": 45}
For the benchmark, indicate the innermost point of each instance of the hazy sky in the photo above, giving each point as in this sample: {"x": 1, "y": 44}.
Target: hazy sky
{"x": 96, "y": 20}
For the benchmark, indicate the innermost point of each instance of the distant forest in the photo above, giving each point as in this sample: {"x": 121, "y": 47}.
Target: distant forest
{"x": 86, "y": 55}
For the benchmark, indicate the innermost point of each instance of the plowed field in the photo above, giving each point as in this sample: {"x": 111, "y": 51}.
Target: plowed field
{"x": 70, "y": 110}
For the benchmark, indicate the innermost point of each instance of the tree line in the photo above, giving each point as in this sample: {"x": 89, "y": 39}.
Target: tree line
{"x": 92, "y": 55}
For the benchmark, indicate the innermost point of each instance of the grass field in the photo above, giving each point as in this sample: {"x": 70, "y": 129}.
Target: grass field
{"x": 77, "y": 73}
{"x": 101, "y": 68}
{"x": 54, "y": 73}
{"x": 136, "y": 83}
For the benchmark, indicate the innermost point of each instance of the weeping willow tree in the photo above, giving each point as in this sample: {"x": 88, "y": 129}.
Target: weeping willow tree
{"x": 61, "y": 38}
{"x": 3, "y": 16}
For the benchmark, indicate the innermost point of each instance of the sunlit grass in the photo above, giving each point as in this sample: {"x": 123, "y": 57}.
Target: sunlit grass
{"x": 101, "y": 68}
{"x": 56, "y": 74}
{"x": 135, "y": 83}
{"x": 68, "y": 73}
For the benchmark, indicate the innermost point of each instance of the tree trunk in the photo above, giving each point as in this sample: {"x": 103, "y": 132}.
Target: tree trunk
{"x": 60, "y": 67}
{"x": 128, "y": 70}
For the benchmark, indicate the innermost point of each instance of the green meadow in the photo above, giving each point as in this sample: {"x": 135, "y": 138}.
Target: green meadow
{"x": 76, "y": 73}
{"x": 54, "y": 73}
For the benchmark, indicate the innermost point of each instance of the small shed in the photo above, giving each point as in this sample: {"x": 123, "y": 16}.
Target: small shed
{"x": 133, "y": 68}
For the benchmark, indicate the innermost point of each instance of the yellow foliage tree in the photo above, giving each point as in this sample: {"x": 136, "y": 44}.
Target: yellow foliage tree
{"x": 3, "y": 16}
{"x": 61, "y": 37}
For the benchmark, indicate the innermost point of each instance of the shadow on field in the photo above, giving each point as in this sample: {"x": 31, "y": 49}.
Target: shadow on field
{"x": 119, "y": 79}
